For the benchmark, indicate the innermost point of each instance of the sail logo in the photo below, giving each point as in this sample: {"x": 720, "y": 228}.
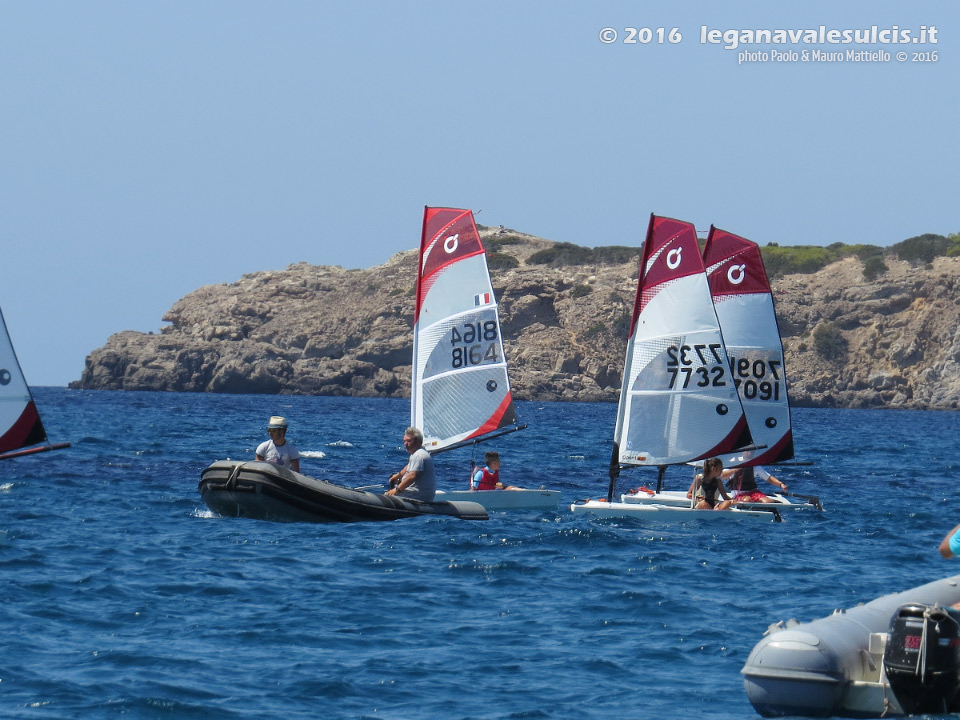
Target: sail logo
{"x": 674, "y": 258}
{"x": 5, "y": 377}
{"x": 736, "y": 274}
{"x": 481, "y": 299}
{"x": 451, "y": 243}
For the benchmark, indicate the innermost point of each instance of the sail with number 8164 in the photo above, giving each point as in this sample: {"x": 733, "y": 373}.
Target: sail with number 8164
{"x": 460, "y": 390}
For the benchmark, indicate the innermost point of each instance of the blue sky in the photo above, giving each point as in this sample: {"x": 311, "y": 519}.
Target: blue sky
{"x": 150, "y": 148}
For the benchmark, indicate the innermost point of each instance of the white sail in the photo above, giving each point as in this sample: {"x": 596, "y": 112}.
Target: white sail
{"x": 744, "y": 305}
{"x": 460, "y": 386}
{"x": 678, "y": 402}
{"x": 20, "y": 424}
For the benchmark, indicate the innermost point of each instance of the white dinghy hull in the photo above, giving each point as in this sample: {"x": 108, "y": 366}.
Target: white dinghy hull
{"x": 678, "y": 498}
{"x": 504, "y": 500}
{"x": 669, "y": 513}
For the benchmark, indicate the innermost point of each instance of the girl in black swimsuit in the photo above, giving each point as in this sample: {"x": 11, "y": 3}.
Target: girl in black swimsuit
{"x": 710, "y": 483}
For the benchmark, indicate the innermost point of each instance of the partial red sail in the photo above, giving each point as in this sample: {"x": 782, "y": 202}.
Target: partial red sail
{"x": 20, "y": 424}
{"x": 743, "y": 270}
{"x": 449, "y": 235}
{"x": 670, "y": 252}
{"x": 26, "y": 430}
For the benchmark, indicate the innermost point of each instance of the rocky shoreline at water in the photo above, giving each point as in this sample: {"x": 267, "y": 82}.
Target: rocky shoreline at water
{"x": 891, "y": 342}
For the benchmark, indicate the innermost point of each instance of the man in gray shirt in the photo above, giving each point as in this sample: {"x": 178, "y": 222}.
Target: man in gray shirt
{"x": 417, "y": 480}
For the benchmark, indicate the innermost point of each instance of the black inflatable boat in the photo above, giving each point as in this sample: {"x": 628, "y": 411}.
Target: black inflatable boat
{"x": 266, "y": 491}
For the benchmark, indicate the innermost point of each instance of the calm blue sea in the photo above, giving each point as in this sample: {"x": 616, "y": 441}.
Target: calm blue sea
{"x": 122, "y": 596}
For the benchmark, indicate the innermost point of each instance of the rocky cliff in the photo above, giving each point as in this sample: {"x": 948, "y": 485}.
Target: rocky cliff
{"x": 849, "y": 342}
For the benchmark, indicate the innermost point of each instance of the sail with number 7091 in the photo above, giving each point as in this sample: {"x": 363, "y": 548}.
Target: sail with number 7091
{"x": 744, "y": 305}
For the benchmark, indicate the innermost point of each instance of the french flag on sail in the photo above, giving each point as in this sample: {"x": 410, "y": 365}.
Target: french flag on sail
{"x": 481, "y": 299}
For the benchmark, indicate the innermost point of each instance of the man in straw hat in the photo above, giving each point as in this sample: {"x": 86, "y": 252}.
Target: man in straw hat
{"x": 277, "y": 450}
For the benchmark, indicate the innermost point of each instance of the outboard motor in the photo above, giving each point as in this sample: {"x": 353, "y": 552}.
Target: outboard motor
{"x": 922, "y": 658}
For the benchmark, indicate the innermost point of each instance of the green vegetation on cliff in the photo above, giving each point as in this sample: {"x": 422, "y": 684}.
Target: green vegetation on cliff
{"x": 779, "y": 261}
{"x": 922, "y": 249}
{"x": 564, "y": 253}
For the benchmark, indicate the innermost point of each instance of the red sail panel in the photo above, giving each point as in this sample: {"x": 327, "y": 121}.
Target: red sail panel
{"x": 779, "y": 452}
{"x": 503, "y": 417}
{"x": 27, "y": 430}
{"x": 448, "y": 235}
{"x": 670, "y": 252}
{"x": 742, "y": 272}
{"x": 737, "y": 438}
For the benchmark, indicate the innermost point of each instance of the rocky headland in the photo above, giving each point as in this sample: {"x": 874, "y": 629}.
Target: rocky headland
{"x": 892, "y": 341}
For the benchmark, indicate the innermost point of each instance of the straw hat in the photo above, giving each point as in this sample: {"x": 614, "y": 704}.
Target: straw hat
{"x": 277, "y": 422}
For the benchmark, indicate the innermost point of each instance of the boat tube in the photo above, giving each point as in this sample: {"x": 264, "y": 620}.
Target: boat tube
{"x": 896, "y": 655}
{"x": 265, "y": 491}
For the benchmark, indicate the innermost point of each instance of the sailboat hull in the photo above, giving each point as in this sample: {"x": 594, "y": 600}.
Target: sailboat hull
{"x": 670, "y": 513}
{"x": 678, "y": 498}
{"x": 501, "y": 500}
{"x": 265, "y": 491}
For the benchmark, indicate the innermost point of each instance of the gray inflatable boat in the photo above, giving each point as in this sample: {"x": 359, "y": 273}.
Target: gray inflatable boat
{"x": 266, "y": 491}
{"x": 896, "y": 655}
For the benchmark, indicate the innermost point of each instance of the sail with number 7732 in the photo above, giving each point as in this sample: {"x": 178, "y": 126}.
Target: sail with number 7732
{"x": 678, "y": 402}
